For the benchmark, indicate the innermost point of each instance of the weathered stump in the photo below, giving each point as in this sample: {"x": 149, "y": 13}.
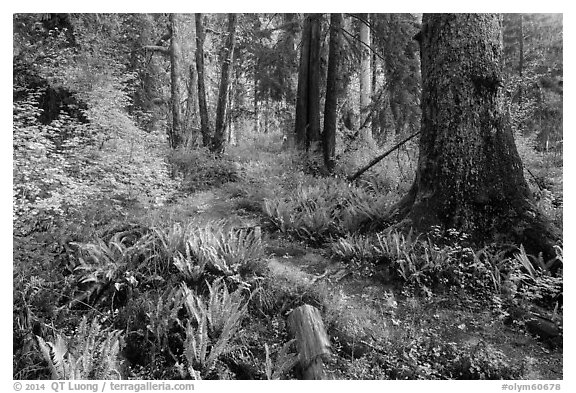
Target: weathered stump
{"x": 306, "y": 325}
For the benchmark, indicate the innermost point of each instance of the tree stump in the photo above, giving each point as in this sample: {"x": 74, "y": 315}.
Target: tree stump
{"x": 306, "y": 325}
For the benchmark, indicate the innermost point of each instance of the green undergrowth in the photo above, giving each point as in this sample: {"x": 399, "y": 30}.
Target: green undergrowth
{"x": 443, "y": 262}
{"x": 326, "y": 209}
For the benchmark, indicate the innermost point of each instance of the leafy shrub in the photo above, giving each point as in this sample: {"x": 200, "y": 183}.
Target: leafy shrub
{"x": 202, "y": 169}
{"x": 425, "y": 266}
{"x": 429, "y": 358}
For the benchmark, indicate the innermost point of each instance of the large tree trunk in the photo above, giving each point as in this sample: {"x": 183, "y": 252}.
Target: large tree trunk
{"x": 469, "y": 173}
{"x": 227, "y": 58}
{"x": 202, "y": 106}
{"x": 365, "y": 77}
{"x": 308, "y": 99}
{"x": 176, "y": 135}
{"x": 332, "y": 92}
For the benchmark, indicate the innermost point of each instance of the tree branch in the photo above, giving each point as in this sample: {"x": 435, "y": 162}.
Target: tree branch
{"x": 155, "y": 48}
{"x": 365, "y": 44}
{"x": 380, "y": 157}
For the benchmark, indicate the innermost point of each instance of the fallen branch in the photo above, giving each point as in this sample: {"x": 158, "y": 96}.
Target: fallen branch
{"x": 380, "y": 157}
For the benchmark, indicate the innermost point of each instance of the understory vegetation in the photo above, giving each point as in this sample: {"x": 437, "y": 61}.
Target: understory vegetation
{"x": 151, "y": 293}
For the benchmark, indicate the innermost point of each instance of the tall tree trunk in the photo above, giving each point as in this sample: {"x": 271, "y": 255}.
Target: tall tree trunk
{"x": 308, "y": 99}
{"x": 202, "y": 106}
{"x": 256, "y": 110}
{"x": 176, "y": 136}
{"x": 301, "y": 121}
{"x": 374, "y": 112}
{"x": 521, "y": 60}
{"x": 223, "y": 91}
{"x": 192, "y": 106}
{"x": 332, "y": 92}
{"x": 191, "y": 120}
{"x": 469, "y": 173}
{"x": 314, "y": 79}
{"x": 365, "y": 77}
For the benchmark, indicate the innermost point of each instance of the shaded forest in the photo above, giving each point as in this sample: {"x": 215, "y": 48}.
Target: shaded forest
{"x": 217, "y": 196}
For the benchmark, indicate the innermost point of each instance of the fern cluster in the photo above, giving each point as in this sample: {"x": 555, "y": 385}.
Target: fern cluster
{"x": 212, "y": 324}
{"x": 328, "y": 209}
{"x": 91, "y": 353}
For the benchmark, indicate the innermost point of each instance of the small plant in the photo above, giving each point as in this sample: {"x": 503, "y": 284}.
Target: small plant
{"x": 534, "y": 279}
{"x": 107, "y": 269}
{"x": 215, "y": 247}
{"x": 212, "y": 324}
{"x": 285, "y": 361}
{"x": 91, "y": 353}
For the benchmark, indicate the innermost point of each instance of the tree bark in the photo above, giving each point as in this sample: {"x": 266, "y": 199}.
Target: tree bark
{"x": 469, "y": 173}
{"x": 202, "y": 106}
{"x": 308, "y": 99}
{"x": 301, "y": 121}
{"x": 191, "y": 120}
{"x": 227, "y": 59}
{"x": 314, "y": 83}
{"x": 521, "y": 60}
{"x": 332, "y": 90}
{"x": 374, "y": 112}
{"x": 307, "y": 327}
{"x": 192, "y": 106}
{"x": 256, "y": 111}
{"x": 365, "y": 76}
{"x": 176, "y": 135}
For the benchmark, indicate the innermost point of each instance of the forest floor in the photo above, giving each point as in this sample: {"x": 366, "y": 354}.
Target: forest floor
{"x": 378, "y": 331}
{"x": 384, "y": 316}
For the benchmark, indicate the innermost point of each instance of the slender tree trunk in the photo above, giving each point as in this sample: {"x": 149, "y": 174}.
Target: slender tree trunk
{"x": 266, "y": 114}
{"x": 290, "y": 93}
{"x": 176, "y": 136}
{"x": 469, "y": 173}
{"x": 374, "y": 117}
{"x": 332, "y": 90}
{"x": 256, "y": 110}
{"x": 314, "y": 79}
{"x": 191, "y": 116}
{"x": 521, "y": 61}
{"x": 302, "y": 91}
{"x": 202, "y": 106}
{"x": 365, "y": 77}
{"x": 227, "y": 59}
{"x": 192, "y": 107}
{"x": 308, "y": 99}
